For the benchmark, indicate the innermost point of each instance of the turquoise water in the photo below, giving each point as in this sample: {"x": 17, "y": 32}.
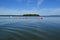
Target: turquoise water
{"x": 29, "y": 28}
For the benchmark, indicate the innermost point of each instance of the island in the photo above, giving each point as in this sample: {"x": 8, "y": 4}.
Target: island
{"x": 31, "y": 15}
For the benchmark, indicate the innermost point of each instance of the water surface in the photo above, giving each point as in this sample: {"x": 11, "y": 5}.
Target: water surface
{"x": 29, "y": 28}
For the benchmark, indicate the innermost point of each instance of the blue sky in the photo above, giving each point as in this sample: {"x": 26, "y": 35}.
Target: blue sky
{"x": 19, "y": 7}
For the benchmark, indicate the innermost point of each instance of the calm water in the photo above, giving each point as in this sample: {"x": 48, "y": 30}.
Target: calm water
{"x": 30, "y": 28}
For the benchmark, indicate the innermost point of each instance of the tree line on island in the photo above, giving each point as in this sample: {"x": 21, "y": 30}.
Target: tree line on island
{"x": 33, "y": 15}
{"x": 30, "y": 15}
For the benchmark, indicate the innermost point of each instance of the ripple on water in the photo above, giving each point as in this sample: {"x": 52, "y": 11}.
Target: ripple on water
{"x": 21, "y": 33}
{"x": 29, "y": 30}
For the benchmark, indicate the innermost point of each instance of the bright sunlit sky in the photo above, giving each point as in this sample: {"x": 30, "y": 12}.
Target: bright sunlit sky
{"x": 19, "y": 7}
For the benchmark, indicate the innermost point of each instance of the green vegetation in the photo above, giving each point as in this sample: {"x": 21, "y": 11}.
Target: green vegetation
{"x": 31, "y": 15}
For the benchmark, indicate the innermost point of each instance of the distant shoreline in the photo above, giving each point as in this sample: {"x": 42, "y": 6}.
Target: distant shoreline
{"x": 32, "y": 16}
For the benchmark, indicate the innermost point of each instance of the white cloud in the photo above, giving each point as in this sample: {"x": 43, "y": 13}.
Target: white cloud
{"x": 39, "y": 3}
{"x": 51, "y": 11}
{"x": 5, "y": 11}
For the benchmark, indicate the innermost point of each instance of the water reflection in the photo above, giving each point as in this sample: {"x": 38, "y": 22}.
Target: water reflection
{"x": 30, "y": 28}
